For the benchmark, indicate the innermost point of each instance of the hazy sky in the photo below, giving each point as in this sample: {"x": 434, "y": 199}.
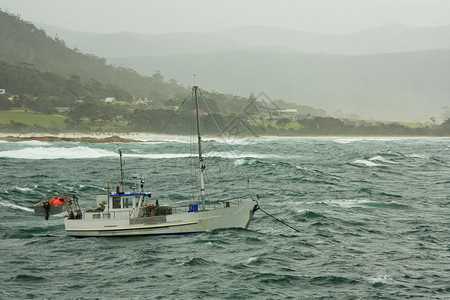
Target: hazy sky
{"x": 163, "y": 16}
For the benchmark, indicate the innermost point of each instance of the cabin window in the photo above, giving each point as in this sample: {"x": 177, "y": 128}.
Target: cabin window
{"x": 127, "y": 202}
{"x": 96, "y": 216}
{"x": 116, "y": 202}
{"x": 106, "y": 216}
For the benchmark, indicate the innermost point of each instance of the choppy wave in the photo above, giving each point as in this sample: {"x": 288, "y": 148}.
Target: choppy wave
{"x": 373, "y": 228}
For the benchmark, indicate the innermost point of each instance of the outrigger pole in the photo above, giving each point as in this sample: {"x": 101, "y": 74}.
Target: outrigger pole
{"x": 200, "y": 157}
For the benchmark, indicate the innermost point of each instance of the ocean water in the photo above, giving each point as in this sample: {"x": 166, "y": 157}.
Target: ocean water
{"x": 373, "y": 216}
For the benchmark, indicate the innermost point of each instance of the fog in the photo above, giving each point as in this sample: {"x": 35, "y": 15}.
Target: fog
{"x": 163, "y": 16}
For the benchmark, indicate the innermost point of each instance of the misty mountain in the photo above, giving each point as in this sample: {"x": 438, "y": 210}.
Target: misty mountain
{"x": 389, "y": 38}
{"x": 128, "y": 44}
{"x": 385, "y": 39}
{"x": 410, "y": 86}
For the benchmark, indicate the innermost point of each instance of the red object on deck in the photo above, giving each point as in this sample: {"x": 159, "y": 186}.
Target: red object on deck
{"x": 57, "y": 201}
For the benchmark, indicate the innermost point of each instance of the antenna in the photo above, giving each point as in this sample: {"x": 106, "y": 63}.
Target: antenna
{"x": 195, "y": 82}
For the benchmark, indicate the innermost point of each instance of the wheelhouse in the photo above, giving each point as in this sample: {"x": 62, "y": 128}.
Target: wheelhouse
{"x": 118, "y": 206}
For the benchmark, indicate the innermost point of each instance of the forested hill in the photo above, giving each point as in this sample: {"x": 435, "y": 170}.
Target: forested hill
{"x": 21, "y": 42}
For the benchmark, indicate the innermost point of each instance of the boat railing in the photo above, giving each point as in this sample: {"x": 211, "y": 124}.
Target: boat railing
{"x": 211, "y": 204}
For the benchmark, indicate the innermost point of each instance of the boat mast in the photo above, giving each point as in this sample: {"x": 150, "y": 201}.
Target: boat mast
{"x": 121, "y": 169}
{"x": 200, "y": 157}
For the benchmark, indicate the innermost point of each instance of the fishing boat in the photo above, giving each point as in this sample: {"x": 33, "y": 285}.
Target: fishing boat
{"x": 134, "y": 213}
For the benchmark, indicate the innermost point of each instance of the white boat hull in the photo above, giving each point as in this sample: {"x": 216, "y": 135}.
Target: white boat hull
{"x": 238, "y": 216}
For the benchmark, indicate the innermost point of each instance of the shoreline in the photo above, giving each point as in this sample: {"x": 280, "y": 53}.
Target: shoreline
{"x": 149, "y": 137}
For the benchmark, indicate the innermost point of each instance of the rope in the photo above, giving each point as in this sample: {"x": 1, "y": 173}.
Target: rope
{"x": 275, "y": 218}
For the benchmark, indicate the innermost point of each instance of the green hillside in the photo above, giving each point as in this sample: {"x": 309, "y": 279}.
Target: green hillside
{"x": 22, "y": 42}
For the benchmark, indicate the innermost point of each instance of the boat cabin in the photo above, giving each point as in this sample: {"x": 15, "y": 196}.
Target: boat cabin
{"x": 118, "y": 206}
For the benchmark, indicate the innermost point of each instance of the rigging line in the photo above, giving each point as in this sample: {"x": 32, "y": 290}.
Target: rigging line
{"x": 159, "y": 134}
{"x": 221, "y": 135}
{"x": 276, "y": 219}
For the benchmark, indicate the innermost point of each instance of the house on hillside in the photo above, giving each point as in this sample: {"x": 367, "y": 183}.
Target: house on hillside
{"x": 201, "y": 112}
{"x": 363, "y": 123}
{"x": 171, "y": 107}
{"x": 287, "y": 111}
{"x": 348, "y": 122}
{"x": 111, "y": 100}
{"x": 303, "y": 117}
{"x": 62, "y": 108}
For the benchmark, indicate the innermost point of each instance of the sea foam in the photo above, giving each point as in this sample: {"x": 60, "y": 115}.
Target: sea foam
{"x": 382, "y": 159}
{"x": 15, "y": 206}
{"x": 366, "y": 163}
{"x": 57, "y": 153}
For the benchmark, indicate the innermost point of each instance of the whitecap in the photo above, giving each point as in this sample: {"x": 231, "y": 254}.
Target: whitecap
{"x": 380, "y": 158}
{"x": 349, "y": 202}
{"x": 234, "y": 141}
{"x": 252, "y": 259}
{"x": 300, "y": 210}
{"x": 346, "y": 141}
{"x": 383, "y": 279}
{"x": 57, "y": 153}
{"x": 152, "y": 143}
{"x": 160, "y": 156}
{"x": 382, "y": 139}
{"x": 422, "y": 156}
{"x": 161, "y": 141}
{"x": 23, "y": 189}
{"x": 342, "y": 202}
{"x": 34, "y": 143}
{"x": 15, "y": 206}
{"x": 241, "y": 161}
{"x": 352, "y": 140}
{"x": 217, "y": 154}
{"x": 366, "y": 162}
{"x": 248, "y": 155}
